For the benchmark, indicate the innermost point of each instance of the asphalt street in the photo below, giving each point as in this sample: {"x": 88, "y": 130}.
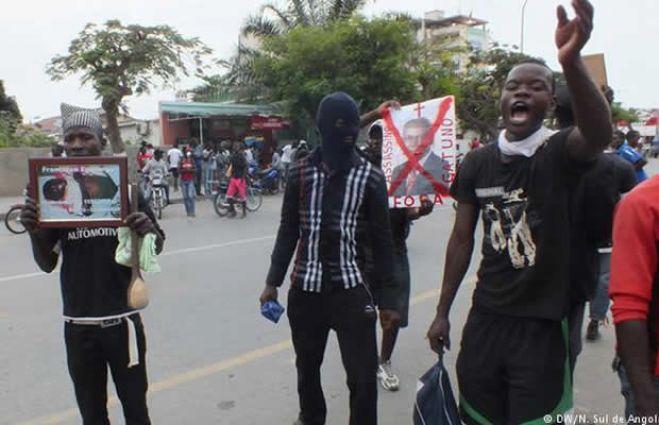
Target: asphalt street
{"x": 212, "y": 359}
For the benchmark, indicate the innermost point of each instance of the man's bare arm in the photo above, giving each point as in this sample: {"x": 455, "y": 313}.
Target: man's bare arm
{"x": 458, "y": 256}
{"x": 376, "y": 114}
{"x": 635, "y": 354}
{"x": 43, "y": 240}
{"x": 593, "y": 130}
{"x": 43, "y": 249}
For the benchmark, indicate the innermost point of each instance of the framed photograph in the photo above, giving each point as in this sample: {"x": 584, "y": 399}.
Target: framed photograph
{"x": 80, "y": 192}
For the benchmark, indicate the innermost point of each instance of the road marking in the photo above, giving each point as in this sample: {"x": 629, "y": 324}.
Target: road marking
{"x": 175, "y": 381}
{"x": 164, "y": 254}
{"x": 216, "y": 246}
{"x": 22, "y": 276}
{"x": 206, "y": 371}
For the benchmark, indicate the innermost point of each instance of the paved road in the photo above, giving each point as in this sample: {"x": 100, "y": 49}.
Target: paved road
{"x": 212, "y": 359}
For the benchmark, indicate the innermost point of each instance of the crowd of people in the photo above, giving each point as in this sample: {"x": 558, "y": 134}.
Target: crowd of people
{"x": 198, "y": 171}
{"x": 551, "y": 242}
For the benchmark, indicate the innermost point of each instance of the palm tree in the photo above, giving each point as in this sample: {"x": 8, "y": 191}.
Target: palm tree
{"x": 240, "y": 82}
{"x": 274, "y": 20}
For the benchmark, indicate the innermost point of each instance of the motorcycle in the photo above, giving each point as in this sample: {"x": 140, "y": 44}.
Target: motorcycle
{"x": 157, "y": 196}
{"x": 221, "y": 204}
{"x": 13, "y": 219}
{"x": 267, "y": 180}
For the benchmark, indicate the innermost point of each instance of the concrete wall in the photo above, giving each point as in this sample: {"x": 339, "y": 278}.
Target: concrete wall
{"x": 13, "y": 169}
{"x": 173, "y": 130}
{"x": 129, "y": 132}
{"x": 14, "y": 174}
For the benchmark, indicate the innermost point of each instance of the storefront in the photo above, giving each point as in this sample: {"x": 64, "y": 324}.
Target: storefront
{"x": 213, "y": 123}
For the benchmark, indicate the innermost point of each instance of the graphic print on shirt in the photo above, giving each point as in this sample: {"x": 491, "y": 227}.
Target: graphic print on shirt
{"x": 509, "y": 230}
{"x": 87, "y": 233}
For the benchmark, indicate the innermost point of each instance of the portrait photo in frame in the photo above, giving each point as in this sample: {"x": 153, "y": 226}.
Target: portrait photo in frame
{"x": 80, "y": 192}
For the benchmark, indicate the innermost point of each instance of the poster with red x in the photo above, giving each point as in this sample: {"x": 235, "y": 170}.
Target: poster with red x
{"x": 419, "y": 152}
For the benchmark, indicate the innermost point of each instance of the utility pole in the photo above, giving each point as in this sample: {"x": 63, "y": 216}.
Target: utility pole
{"x": 521, "y": 37}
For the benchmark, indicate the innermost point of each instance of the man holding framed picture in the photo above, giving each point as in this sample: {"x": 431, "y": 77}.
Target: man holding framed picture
{"x": 100, "y": 329}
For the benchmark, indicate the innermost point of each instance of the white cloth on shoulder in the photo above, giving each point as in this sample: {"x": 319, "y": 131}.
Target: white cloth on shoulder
{"x": 526, "y": 147}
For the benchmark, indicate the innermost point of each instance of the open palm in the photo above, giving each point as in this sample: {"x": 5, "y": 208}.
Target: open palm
{"x": 572, "y": 34}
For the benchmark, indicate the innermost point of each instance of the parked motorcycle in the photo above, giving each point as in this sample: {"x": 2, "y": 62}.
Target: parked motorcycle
{"x": 13, "y": 219}
{"x": 268, "y": 180}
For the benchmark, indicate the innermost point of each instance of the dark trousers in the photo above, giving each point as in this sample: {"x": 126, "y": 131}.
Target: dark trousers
{"x": 197, "y": 177}
{"x": 350, "y": 313}
{"x": 90, "y": 350}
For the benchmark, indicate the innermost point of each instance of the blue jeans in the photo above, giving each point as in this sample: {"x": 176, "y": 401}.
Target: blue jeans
{"x": 208, "y": 177}
{"x": 599, "y": 305}
{"x": 189, "y": 195}
{"x": 198, "y": 175}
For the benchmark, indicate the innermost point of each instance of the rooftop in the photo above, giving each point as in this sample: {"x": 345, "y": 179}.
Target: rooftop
{"x": 216, "y": 109}
{"x": 469, "y": 21}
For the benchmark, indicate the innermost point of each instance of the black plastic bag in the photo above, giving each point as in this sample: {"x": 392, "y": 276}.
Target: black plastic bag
{"x": 435, "y": 403}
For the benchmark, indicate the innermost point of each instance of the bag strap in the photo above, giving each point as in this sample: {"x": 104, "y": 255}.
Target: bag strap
{"x": 440, "y": 359}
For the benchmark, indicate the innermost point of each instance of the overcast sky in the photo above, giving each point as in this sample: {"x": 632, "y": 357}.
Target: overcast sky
{"x": 32, "y": 32}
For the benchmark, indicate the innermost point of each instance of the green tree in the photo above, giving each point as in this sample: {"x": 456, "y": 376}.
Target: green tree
{"x": 23, "y": 136}
{"x": 9, "y": 112}
{"x": 240, "y": 82}
{"x": 368, "y": 59}
{"x": 620, "y": 113}
{"x": 121, "y": 60}
{"x": 277, "y": 20}
{"x": 435, "y": 68}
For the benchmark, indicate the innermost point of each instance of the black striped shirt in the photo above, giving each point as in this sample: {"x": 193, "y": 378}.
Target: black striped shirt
{"x": 329, "y": 217}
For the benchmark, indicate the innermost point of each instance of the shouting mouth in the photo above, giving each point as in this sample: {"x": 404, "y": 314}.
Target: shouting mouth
{"x": 519, "y": 113}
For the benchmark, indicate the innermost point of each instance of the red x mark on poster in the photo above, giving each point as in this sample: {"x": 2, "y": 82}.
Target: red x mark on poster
{"x": 412, "y": 161}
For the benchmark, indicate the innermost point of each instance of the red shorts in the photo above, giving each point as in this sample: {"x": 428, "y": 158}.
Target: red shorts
{"x": 237, "y": 185}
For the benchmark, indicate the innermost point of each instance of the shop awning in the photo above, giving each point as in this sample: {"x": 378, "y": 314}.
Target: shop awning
{"x": 228, "y": 109}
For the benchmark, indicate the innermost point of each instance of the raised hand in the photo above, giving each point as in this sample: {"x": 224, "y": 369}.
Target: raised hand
{"x": 389, "y": 104}
{"x": 572, "y": 35}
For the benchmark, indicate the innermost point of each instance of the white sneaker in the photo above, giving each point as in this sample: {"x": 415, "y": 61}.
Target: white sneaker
{"x": 387, "y": 377}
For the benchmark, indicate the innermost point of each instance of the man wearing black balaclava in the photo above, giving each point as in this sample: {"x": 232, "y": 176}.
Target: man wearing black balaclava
{"x": 335, "y": 203}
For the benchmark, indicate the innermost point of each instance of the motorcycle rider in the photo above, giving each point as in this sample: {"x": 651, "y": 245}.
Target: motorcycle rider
{"x": 157, "y": 167}
{"x": 237, "y": 184}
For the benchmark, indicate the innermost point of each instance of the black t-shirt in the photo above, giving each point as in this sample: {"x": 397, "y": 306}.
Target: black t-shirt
{"x": 93, "y": 284}
{"x": 238, "y": 165}
{"x": 602, "y": 184}
{"x": 594, "y": 199}
{"x": 524, "y": 203}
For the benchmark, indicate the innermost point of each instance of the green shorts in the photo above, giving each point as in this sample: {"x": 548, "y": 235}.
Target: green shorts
{"x": 513, "y": 370}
